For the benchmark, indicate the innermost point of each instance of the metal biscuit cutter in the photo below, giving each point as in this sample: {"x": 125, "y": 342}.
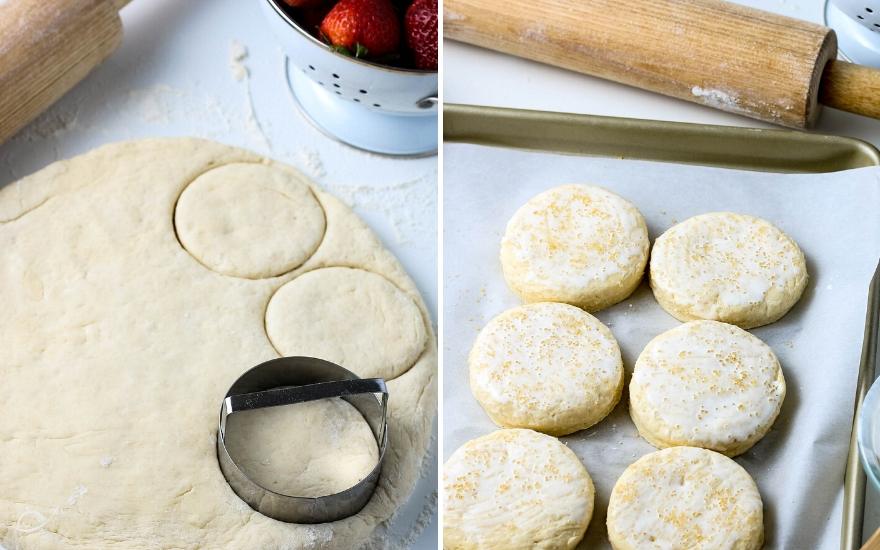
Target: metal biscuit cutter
{"x": 290, "y": 380}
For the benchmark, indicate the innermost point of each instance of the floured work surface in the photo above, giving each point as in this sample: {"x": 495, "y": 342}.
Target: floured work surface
{"x": 118, "y": 343}
{"x": 799, "y": 466}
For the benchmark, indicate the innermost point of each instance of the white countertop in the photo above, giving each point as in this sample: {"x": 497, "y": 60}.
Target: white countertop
{"x": 172, "y": 76}
{"x": 482, "y": 77}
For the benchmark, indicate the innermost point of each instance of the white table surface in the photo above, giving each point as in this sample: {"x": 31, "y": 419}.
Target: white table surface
{"x": 172, "y": 77}
{"x": 482, "y": 77}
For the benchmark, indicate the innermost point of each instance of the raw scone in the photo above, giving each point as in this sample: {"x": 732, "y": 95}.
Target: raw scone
{"x": 727, "y": 267}
{"x": 549, "y": 367}
{"x": 685, "y": 498}
{"x": 577, "y": 244}
{"x": 706, "y": 384}
{"x": 515, "y": 490}
{"x": 117, "y": 344}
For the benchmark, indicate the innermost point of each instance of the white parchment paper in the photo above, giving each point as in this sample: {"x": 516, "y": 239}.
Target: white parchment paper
{"x": 799, "y": 466}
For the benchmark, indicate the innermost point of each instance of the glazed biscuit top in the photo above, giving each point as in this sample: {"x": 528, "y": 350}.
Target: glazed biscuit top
{"x": 573, "y": 236}
{"x": 686, "y": 498}
{"x": 707, "y": 381}
{"x": 546, "y": 359}
{"x": 714, "y": 264}
{"x": 513, "y": 487}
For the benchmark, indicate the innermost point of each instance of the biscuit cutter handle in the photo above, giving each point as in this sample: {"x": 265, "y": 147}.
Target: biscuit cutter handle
{"x": 300, "y": 394}
{"x": 48, "y": 47}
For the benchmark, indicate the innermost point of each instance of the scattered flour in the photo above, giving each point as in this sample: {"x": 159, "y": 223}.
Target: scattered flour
{"x": 310, "y": 162}
{"x": 238, "y": 52}
{"x": 409, "y": 205}
{"x": 107, "y": 461}
{"x": 716, "y": 98}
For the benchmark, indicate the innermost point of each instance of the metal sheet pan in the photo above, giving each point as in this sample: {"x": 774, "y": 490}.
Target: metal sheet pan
{"x": 729, "y": 147}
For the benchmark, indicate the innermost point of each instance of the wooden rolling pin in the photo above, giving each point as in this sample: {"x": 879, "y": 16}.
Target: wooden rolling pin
{"x": 46, "y": 47}
{"x": 716, "y": 53}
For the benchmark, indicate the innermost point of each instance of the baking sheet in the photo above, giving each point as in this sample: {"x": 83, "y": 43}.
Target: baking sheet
{"x": 799, "y": 466}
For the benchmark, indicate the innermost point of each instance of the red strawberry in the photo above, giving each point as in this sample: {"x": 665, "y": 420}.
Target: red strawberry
{"x": 303, "y": 3}
{"x": 420, "y": 25}
{"x": 364, "y": 27}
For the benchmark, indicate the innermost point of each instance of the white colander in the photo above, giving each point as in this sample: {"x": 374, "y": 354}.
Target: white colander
{"x": 370, "y": 106}
{"x": 857, "y": 24}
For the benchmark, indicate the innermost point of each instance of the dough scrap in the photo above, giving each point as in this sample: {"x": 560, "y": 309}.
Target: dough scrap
{"x": 578, "y": 244}
{"x": 249, "y": 220}
{"x": 117, "y": 347}
{"x": 515, "y": 490}
{"x": 706, "y": 384}
{"x": 727, "y": 267}
{"x": 339, "y": 314}
{"x": 548, "y": 367}
{"x": 685, "y": 498}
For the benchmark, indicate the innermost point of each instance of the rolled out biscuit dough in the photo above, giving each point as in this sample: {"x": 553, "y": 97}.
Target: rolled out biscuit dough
{"x": 117, "y": 346}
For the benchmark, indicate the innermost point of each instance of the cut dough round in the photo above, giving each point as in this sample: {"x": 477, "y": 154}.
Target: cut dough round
{"x": 549, "y": 367}
{"x": 515, "y": 490}
{"x": 327, "y": 447}
{"x": 706, "y": 384}
{"x": 249, "y": 220}
{"x": 141, "y": 342}
{"x": 685, "y": 498}
{"x": 727, "y": 267}
{"x": 577, "y": 244}
{"x": 339, "y": 314}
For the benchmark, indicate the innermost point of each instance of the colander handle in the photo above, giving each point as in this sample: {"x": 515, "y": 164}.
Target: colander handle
{"x": 850, "y": 87}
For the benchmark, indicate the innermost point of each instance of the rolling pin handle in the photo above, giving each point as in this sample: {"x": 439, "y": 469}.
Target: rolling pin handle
{"x": 852, "y": 88}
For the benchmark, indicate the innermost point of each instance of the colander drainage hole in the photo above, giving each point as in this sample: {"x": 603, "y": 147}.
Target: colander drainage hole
{"x": 356, "y": 100}
{"x": 363, "y": 91}
{"x": 860, "y": 17}
{"x": 321, "y": 83}
{"x": 312, "y": 67}
{"x": 376, "y": 105}
{"x": 335, "y": 75}
{"x": 869, "y": 10}
{"x": 336, "y": 85}
{"x": 338, "y": 93}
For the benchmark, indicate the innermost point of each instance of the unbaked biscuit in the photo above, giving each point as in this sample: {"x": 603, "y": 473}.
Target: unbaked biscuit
{"x": 706, "y": 384}
{"x": 515, "y": 490}
{"x": 577, "y": 244}
{"x": 549, "y": 367}
{"x": 727, "y": 267}
{"x": 685, "y": 498}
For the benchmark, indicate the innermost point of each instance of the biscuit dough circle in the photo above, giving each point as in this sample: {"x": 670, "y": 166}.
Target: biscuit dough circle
{"x": 249, "y": 220}
{"x": 578, "y": 244}
{"x": 515, "y": 490}
{"x": 334, "y": 447}
{"x": 549, "y": 367}
{"x": 706, "y": 384}
{"x": 727, "y": 267}
{"x": 339, "y": 314}
{"x": 685, "y": 498}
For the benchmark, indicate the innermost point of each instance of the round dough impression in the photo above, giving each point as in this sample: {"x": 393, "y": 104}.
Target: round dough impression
{"x": 706, "y": 384}
{"x": 327, "y": 447}
{"x": 685, "y": 498}
{"x": 515, "y": 490}
{"x": 249, "y": 220}
{"x": 727, "y": 267}
{"x": 351, "y": 317}
{"x": 549, "y": 367}
{"x": 577, "y": 244}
